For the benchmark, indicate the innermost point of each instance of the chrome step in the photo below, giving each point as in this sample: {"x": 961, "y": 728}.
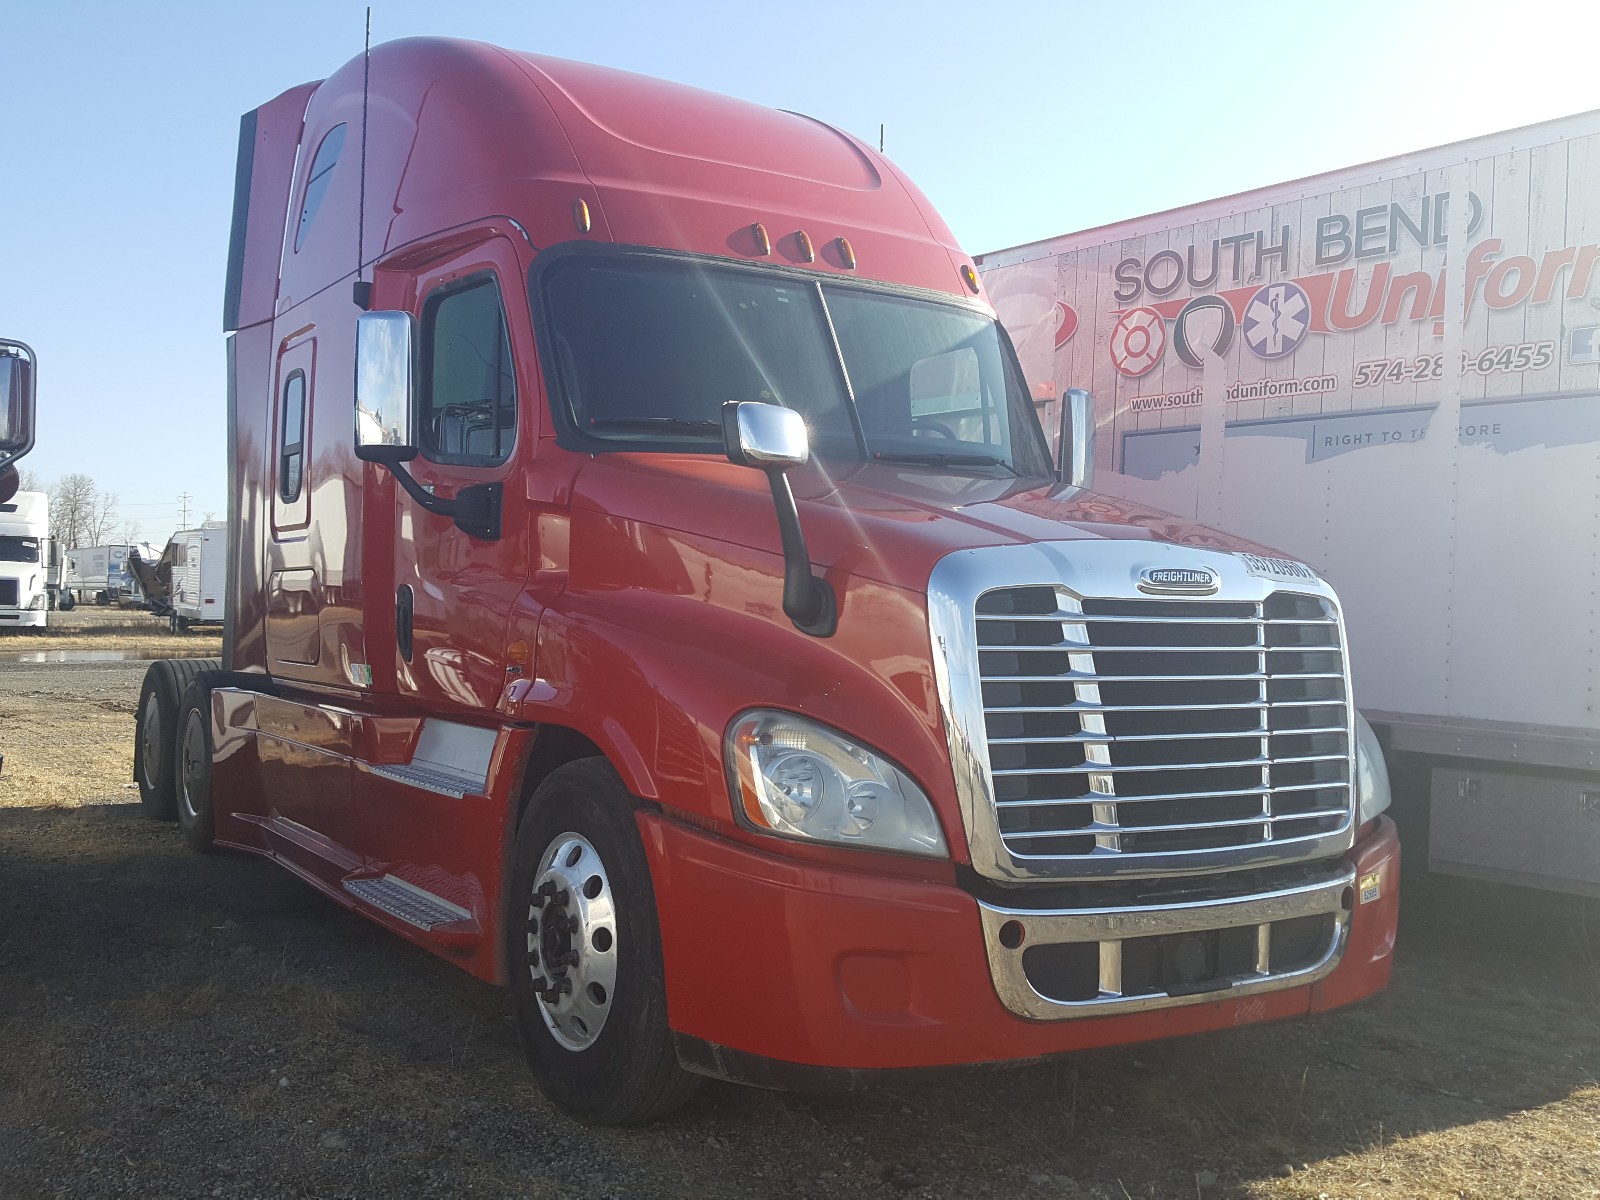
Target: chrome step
{"x": 406, "y": 901}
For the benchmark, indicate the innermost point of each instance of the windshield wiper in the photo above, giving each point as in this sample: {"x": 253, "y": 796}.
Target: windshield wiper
{"x": 656, "y": 424}
{"x": 938, "y": 458}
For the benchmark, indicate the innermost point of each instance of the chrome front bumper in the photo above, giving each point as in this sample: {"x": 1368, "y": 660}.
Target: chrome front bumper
{"x": 1010, "y": 933}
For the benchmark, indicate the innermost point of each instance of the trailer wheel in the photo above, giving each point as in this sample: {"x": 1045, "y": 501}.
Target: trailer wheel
{"x": 192, "y": 755}
{"x": 152, "y": 742}
{"x": 584, "y": 953}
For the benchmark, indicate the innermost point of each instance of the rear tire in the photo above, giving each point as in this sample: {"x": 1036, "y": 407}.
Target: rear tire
{"x": 193, "y": 748}
{"x": 595, "y": 1033}
{"x": 156, "y": 732}
{"x": 154, "y": 728}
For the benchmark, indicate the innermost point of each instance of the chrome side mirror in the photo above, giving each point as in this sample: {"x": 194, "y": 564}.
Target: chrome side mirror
{"x": 1075, "y": 445}
{"x": 773, "y": 439}
{"x": 384, "y": 430}
{"x": 768, "y": 436}
{"x": 17, "y": 363}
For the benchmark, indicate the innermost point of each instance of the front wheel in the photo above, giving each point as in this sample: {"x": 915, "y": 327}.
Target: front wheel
{"x": 584, "y": 953}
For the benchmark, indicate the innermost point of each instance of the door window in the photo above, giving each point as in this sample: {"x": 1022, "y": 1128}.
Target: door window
{"x": 291, "y": 454}
{"x": 468, "y": 412}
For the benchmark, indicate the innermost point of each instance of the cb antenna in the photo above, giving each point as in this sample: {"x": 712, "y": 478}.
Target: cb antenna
{"x": 363, "y": 290}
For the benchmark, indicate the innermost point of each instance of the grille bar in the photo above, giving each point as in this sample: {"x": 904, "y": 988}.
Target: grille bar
{"x": 1091, "y": 677}
{"x": 1081, "y": 830}
{"x": 1082, "y": 707}
{"x": 1208, "y": 724}
{"x": 1078, "y": 618}
{"x": 1086, "y": 647}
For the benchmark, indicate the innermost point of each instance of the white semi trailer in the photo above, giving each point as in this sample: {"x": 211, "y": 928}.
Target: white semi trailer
{"x": 100, "y": 575}
{"x": 1393, "y": 372}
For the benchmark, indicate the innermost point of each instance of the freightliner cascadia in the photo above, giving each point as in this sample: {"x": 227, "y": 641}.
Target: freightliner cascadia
{"x": 651, "y": 589}
{"x": 1404, "y": 392}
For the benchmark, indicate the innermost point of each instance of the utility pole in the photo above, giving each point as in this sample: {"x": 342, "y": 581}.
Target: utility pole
{"x": 183, "y": 509}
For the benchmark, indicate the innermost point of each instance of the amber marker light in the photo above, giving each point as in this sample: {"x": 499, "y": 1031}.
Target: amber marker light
{"x": 848, "y": 253}
{"x": 763, "y": 242}
{"x": 969, "y": 277}
{"x": 517, "y": 652}
{"x": 746, "y": 739}
{"x": 807, "y": 251}
{"x": 580, "y": 215}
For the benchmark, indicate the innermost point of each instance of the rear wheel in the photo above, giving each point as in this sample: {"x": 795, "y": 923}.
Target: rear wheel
{"x": 584, "y": 953}
{"x": 156, "y": 732}
{"x": 152, "y": 742}
{"x": 192, "y": 754}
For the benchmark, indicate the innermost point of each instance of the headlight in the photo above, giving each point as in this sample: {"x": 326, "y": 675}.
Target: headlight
{"x": 795, "y": 778}
{"x": 36, "y": 603}
{"x": 1372, "y": 776}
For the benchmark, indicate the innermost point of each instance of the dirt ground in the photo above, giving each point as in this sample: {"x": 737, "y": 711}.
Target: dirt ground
{"x": 180, "y": 1025}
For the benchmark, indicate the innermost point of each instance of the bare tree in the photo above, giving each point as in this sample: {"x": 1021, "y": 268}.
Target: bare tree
{"x": 71, "y": 507}
{"x": 31, "y": 482}
{"x": 103, "y": 518}
{"x": 82, "y": 514}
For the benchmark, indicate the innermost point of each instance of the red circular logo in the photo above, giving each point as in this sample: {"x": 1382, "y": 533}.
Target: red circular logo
{"x": 1138, "y": 340}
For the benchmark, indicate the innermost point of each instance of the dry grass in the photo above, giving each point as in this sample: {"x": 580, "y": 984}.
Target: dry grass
{"x": 64, "y": 750}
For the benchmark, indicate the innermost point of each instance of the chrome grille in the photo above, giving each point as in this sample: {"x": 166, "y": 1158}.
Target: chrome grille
{"x": 1140, "y": 727}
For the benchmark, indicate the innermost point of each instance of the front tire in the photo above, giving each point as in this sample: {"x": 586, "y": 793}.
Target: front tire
{"x": 583, "y": 950}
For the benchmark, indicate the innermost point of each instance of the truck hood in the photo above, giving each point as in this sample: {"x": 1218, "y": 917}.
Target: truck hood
{"x": 890, "y": 523}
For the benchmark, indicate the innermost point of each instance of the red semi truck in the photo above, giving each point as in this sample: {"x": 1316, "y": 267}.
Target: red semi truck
{"x": 651, "y": 588}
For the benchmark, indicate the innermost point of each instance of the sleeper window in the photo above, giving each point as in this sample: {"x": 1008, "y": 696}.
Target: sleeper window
{"x": 317, "y": 181}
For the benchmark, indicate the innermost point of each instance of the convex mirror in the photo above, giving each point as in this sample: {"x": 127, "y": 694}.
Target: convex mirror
{"x": 384, "y": 430}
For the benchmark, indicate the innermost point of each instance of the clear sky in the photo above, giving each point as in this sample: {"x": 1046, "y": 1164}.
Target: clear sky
{"x": 1019, "y": 120}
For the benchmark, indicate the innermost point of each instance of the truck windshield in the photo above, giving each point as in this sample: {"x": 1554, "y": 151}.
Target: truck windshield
{"x": 647, "y": 351}
{"x": 19, "y": 549}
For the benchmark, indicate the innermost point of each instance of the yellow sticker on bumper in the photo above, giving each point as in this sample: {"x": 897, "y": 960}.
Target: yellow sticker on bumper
{"x": 1371, "y": 887}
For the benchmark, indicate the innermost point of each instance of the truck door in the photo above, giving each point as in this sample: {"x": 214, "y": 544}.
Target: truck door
{"x": 293, "y": 580}
{"x": 474, "y": 424}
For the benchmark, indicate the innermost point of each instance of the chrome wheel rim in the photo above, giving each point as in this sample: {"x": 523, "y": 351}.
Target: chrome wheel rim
{"x": 193, "y": 762}
{"x": 149, "y": 741}
{"x": 572, "y": 941}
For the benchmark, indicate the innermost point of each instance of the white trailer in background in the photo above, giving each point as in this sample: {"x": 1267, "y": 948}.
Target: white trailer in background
{"x": 199, "y": 559}
{"x": 1393, "y": 372}
{"x": 25, "y": 552}
{"x": 99, "y": 574}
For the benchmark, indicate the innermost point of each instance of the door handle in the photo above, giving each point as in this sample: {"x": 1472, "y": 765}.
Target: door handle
{"x": 404, "y": 607}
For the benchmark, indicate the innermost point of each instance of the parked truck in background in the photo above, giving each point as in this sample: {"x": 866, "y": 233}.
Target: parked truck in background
{"x": 100, "y": 575}
{"x": 649, "y": 587}
{"x": 1393, "y": 373}
{"x": 26, "y": 550}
